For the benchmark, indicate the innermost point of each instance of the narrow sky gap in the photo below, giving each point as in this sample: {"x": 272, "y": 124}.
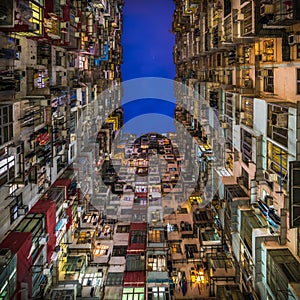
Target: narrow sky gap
{"x": 147, "y": 52}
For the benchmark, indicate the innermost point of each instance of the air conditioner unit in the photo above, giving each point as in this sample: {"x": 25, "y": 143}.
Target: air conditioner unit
{"x": 63, "y": 2}
{"x": 222, "y": 38}
{"x": 223, "y": 204}
{"x": 240, "y": 180}
{"x": 268, "y": 200}
{"x": 64, "y": 25}
{"x": 65, "y": 220}
{"x": 80, "y": 209}
{"x": 242, "y": 115}
{"x": 47, "y": 270}
{"x": 44, "y": 238}
{"x": 61, "y": 54}
{"x": 77, "y": 19}
{"x": 266, "y": 9}
{"x": 23, "y": 210}
{"x": 61, "y": 73}
{"x": 241, "y": 60}
{"x": 224, "y": 125}
{"x": 263, "y": 73}
{"x": 294, "y": 39}
{"x": 240, "y": 17}
{"x": 35, "y": 26}
{"x": 248, "y": 83}
{"x": 45, "y": 102}
{"x": 77, "y": 34}
{"x": 66, "y": 204}
{"x": 14, "y": 150}
{"x": 280, "y": 120}
{"x": 271, "y": 177}
{"x": 45, "y": 61}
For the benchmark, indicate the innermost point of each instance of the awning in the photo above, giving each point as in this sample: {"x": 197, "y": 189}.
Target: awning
{"x": 135, "y": 278}
{"x": 113, "y": 293}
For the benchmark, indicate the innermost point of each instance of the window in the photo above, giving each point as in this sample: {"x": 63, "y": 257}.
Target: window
{"x": 13, "y": 208}
{"x": 125, "y": 211}
{"x": 269, "y": 81}
{"x": 156, "y": 263}
{"x": 119, "y": 251}
{"x": 277, "y": 124}
{"x": 236, "y": 155}
{"x": 133, "y": 294}
{"x": 298, "y": 81}
{"x": 246, "y": 146}
{"x": 134, "y": 263}
{"x": 113, "y": 279}
{"x": 123, "y": 228}
{"x": 247, "y": 11}
{"x": 228, "y": 105}
{"x": 93, "y": 279}
{"x": 175, "y": 248}
{"x": 277, "y": 162}
{"x": 156, "y": 236}
{"x": 158, "y": 293}
{"x": 227, "y": 7}
{"x": 7, "y": 168}
{"x": 245, "y": 177}
{"x": 298, "y": 50}
{"x": 138, "y": 237}
{"x": 6, "y": 123}
{"x": 268, "y": 50}
{"x": 247, "y": 107}
{"x": 190, "y": 249}
{"x": 58, "y": 58}
{"x": 282, "y": 268}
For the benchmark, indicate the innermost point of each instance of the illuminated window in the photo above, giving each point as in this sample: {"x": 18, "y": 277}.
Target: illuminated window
{"x": 277, "y": 162}
{"x": 133, "y": 294}
{"x": 268, "y": 50}
{"x": 156, "y": 236}
{"x": 158, "y": 293}
{"x": 156, "y": 263}
{"x": 175, "y": 248}
{"x": 247, "y": 107}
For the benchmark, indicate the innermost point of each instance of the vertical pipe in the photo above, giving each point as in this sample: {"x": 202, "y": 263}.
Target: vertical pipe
{"x": 280, "y": 171}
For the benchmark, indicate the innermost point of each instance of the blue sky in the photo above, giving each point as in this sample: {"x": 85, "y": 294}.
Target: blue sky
{"x": 147, "y": 52}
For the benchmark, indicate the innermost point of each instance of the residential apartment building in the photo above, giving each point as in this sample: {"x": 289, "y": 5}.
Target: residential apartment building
{"x": 240, "y": 59}
{"x": 56, "y": 58}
